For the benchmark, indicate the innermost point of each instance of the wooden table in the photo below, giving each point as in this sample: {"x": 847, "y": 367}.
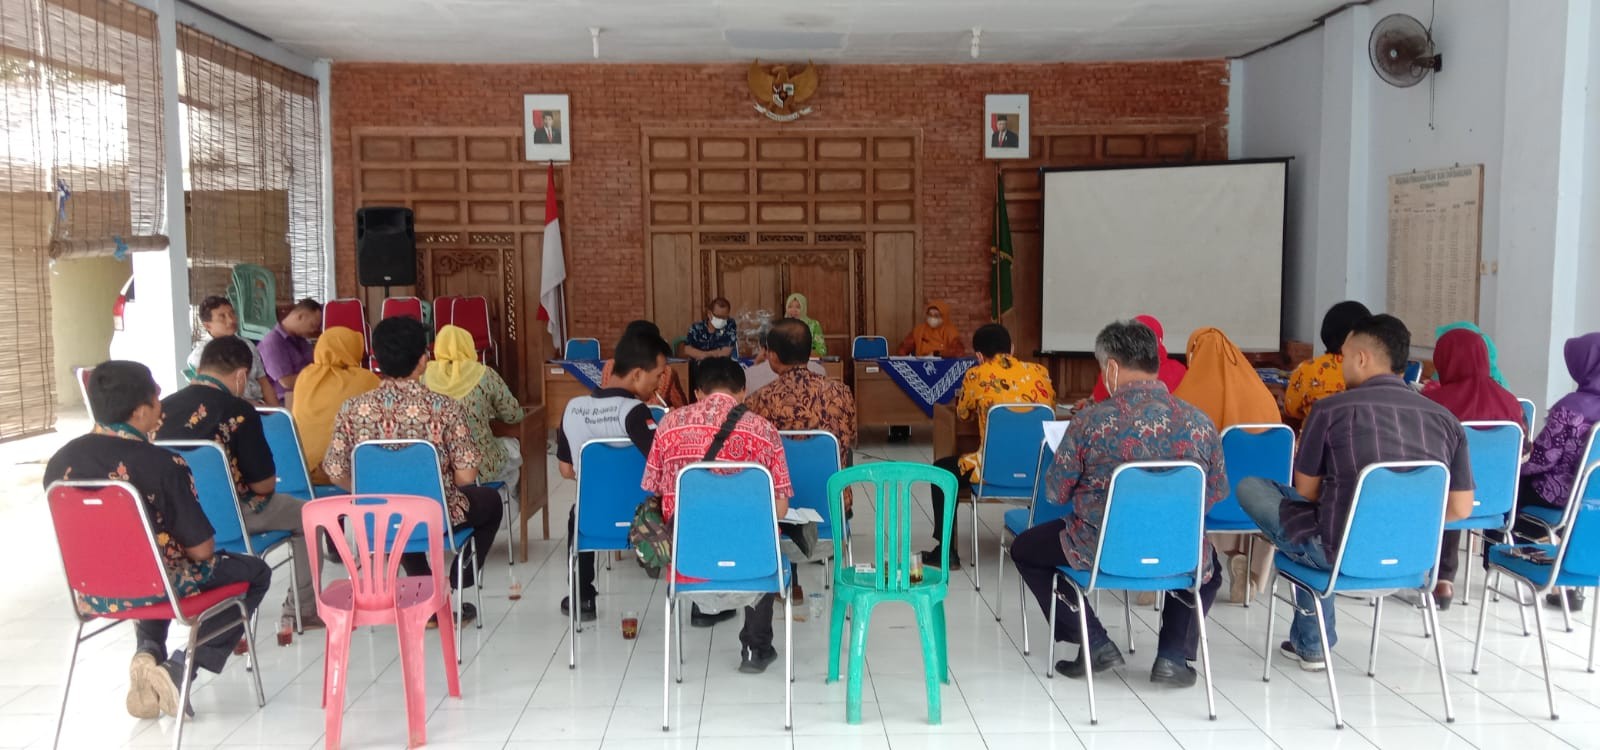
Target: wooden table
{"x": 533, "y": 487}
{"x": 560, "y": 387}
{"x": 880, "y": 402}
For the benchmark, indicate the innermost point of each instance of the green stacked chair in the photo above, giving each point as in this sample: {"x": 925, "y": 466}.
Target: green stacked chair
{"x": 254, "y": 294}
{"x": 888, "y": 577}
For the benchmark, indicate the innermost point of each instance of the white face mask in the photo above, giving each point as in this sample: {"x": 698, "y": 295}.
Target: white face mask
{"x": 1110, "y": 378}
{"x": 935, "y": 322}
{"x": 717, "y": 323}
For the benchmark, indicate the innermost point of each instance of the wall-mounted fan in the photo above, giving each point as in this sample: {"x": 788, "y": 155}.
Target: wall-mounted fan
{"x": 1402, "y": 51}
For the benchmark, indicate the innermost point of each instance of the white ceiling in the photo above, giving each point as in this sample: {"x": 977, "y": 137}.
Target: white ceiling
{"x": 859, "y": 31}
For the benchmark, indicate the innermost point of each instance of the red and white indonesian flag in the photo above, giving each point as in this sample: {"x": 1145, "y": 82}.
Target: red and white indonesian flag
{"x": 553, "y": 276}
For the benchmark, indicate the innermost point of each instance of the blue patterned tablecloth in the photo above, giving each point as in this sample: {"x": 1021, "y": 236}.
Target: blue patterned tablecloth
{"x": 928, "y": 381}
{"x": 587, "y": 371}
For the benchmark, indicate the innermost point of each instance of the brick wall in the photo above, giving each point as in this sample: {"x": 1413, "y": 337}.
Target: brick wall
{"x": 612, "y": 103}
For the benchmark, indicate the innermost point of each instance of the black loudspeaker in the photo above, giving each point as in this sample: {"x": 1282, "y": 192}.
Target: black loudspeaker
{"x": 386, "y": 246}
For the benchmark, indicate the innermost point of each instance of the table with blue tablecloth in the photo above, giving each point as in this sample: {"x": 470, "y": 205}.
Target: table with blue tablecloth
{"x": 904, "y": 390}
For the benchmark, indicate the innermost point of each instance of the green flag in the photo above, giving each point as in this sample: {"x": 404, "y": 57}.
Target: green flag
{"x": 1000, "y": 255}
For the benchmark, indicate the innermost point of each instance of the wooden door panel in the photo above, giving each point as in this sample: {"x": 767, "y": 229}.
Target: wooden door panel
{"x": 750, "y": 281}
{"x": 828, "y": 279}
{"x": 674, "y": 305}
{"x": 895, "y": 307}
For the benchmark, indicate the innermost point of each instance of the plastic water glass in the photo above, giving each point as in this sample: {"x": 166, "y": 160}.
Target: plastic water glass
{"x": 630, "y": 625}
{"x": 815, "y": 604}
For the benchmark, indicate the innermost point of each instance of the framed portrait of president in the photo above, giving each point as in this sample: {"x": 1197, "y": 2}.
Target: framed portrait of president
{"x": 1005, "y": 126}
{"x": 546, "y": 127}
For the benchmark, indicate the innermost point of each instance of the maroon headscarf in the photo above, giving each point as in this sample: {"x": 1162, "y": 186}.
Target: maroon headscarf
{"x": 1465, "y": 385}
{"x": 1171, "y": 373}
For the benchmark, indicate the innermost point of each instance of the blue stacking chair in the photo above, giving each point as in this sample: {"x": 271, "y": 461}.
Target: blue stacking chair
{"x": 1529, "y": 413}
{"x": 1495, "y": 450}
{"x": 1010, "y": 463}
{"x": 411, "y": 467}
{"x": 725, "y": 533}
{"x": 1018, "y": 520}
{"x": 610, "y": 471}
{"x": 657, "y": 411}
{"x": 1551, "y": 518}
{"x": 1413, "y": 374}
{"x": 812, "y": 457}
{"x": 1390, "y": 543}
{"x": 1575, "y": 564}
{"x": 583, "y": 348}
{"x": 283, "y": 439}
{"x": 1250, "y": 450}
{"x": 869, "y": 347}
{"x": 219, "y": 499}
{"x": 1152, "y": 539}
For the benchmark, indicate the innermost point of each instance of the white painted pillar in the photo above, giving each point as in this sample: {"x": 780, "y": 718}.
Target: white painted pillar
{"x": 323, "y": 75}
{"x": 1542, "y": 193}
{"x": 1345, "y": 166}
{"x": 162, "y": 278}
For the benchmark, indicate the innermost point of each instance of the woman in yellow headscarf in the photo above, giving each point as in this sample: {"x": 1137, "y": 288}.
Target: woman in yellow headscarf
{"x": 936, "y": 336}
{"x": 1224, "y": 385}
{"x": 795, "y": 307}
{"x": 334, "y": 376}
{"x": 456, "y": 372}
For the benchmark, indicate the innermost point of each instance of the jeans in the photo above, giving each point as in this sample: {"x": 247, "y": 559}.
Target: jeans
{"x": 213, "y": 648}
{"x": 1261, "y": 499}
{"x": 484, "y": 513}
{"x": 943, "y": 505}
{"x": 1037, "y": 553}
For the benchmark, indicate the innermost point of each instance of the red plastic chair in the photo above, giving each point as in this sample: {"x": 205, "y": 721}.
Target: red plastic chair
{"x": 108, "y": 550}
{"x": 443, "y": 312}
{"x": 472, "y": 313}
{"x": 396, "y": 307}
{"x": 376, "y": 594}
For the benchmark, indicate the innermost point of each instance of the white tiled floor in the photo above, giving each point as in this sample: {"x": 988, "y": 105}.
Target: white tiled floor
{"x": 518, "y": 693}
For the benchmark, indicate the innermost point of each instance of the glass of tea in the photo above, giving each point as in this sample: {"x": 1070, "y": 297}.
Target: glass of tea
{"x": 916, "y": 568}
{"x": 630, "y": 625}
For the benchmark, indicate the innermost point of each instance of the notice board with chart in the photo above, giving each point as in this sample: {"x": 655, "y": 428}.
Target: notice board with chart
{"x": 1435, "y": 240}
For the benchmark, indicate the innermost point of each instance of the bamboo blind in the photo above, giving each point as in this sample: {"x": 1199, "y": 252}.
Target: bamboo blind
{"x": 255, "y": 169}
{"x": 80, "y": 169}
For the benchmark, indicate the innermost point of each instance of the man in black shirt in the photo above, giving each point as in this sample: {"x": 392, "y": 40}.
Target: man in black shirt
{"x": 124, "y": 400}
{"x": 210, "y": 409}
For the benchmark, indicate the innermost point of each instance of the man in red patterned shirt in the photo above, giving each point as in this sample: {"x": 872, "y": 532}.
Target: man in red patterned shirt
{"x": 682, "y": 438}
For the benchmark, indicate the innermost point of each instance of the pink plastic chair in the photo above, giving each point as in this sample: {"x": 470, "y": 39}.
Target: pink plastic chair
{"x": 376, "y": 594}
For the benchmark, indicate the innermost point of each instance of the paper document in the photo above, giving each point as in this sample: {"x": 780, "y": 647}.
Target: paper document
{"x": 802, "y": 515}
{"x": 1054, "y": 432}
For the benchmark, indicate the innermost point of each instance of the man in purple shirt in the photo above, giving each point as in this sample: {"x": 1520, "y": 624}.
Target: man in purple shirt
{"x": 1379, "y": 418}
{"x": 287, "y": 349}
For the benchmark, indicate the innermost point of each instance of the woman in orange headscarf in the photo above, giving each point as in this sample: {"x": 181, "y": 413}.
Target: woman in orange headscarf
{"x": 1224, "y": 385}
{"x": 334, "y": 376}
{"x": 936, "y": 336}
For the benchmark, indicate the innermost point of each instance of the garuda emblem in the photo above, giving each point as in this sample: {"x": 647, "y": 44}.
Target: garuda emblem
{"x": 779, "y": 95}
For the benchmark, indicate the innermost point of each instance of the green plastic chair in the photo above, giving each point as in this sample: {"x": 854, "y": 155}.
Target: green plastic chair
{"x": 888, "y": 577}
{"x": 254, "y": 295}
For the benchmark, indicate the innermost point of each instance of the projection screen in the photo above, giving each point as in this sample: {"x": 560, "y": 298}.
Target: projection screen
{"x": 1195, "y": 246}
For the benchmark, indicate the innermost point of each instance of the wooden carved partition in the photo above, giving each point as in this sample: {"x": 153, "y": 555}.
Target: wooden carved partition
{"x": 479, "y": 211}
{"x": 755, "y": 215}
{"x": 1076, "y": 147}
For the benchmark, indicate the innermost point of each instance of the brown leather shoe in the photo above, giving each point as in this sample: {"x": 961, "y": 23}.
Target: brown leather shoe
{"x": 1443, "y": 593}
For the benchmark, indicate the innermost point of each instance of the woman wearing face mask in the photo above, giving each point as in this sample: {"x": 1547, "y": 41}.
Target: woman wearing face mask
{"x": 936, "y": 336}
